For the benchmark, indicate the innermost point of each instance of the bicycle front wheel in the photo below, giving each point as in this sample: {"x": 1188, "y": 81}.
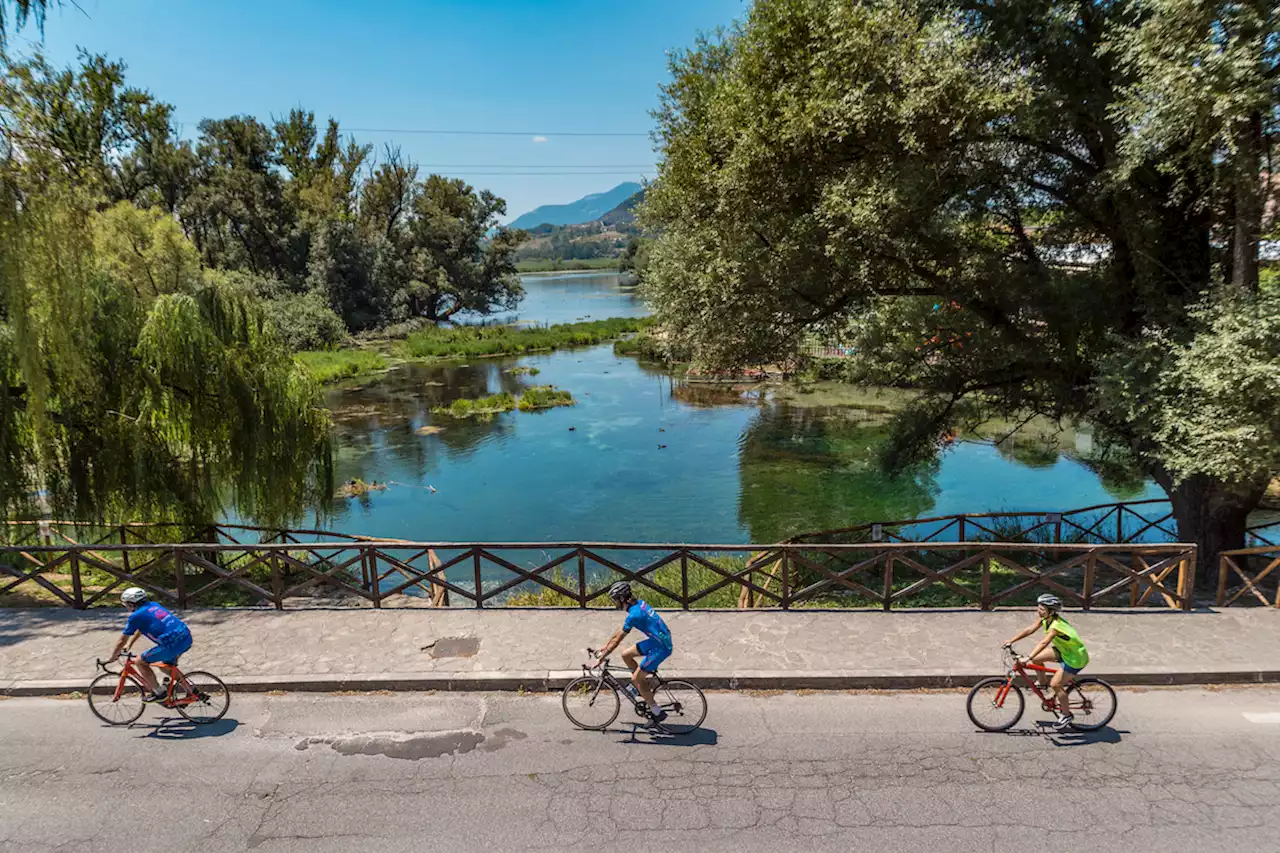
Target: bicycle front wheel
{"x": 212, "y": 699}
{"x": 995, "y": 704}
{"x": 1092, "y": 703}
{"x": 590, "y": 703}
{"x": 116, "y": 710}
{"x": 685, "y": 705}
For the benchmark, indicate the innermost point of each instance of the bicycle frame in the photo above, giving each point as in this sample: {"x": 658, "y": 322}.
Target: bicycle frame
{"x": 606, "y": 676}
{"x": 175, "y": 676}
{"x": 1016, "y": 667}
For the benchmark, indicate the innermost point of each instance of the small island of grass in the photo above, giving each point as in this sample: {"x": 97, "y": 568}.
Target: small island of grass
{"x": 544, "y": 397}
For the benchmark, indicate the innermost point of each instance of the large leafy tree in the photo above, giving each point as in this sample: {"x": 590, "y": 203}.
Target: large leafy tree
{"x": 1016, "y": 208}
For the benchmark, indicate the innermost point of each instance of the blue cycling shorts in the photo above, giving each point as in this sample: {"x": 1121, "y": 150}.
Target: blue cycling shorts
{"x": 654, "y": 654}
{"x": 168, "y": 648}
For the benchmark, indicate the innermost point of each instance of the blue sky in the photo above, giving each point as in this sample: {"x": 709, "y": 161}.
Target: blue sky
{"x": 527, "y": 66}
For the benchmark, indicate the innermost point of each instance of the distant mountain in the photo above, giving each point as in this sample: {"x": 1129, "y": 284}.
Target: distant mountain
{"x": 586, "y": 209}
{"x": 625, "y": 213}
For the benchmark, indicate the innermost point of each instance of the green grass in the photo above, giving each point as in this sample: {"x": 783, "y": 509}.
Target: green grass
{"x": 544, "y": 397}
{"x": 700, "y": 577}
{"x": 559, "y": 265}
{"x": 537, "y": 397}
{"x": 333, "y": 365}
{"x": 524, "y": 371}
{"x": 483, "y": 407}
{"x": 484, "y": 341}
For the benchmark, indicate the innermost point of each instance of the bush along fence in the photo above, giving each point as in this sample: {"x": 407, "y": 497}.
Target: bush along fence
{"x": 382, "y": 573}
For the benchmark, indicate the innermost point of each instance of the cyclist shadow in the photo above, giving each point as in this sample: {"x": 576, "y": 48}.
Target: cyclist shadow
{"x": 177, "y": 728}
{"x": 652, "y": 737}
{"x": 1069, "y": 738}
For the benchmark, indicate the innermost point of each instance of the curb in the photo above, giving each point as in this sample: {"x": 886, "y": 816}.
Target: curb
{"x": 549, "y": 680}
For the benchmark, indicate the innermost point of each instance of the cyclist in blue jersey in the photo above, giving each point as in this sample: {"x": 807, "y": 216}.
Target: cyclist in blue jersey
{"x": 644, "y": 657}
{"x": 169, "y": 633}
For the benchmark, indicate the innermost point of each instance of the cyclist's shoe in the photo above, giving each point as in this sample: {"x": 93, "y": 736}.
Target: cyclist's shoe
{"x": 154, "y": 697}
{"x": 658, "y": 717}
{"x": 1063, "y": 722}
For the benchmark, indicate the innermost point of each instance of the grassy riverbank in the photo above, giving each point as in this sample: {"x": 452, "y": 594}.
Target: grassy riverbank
{"x": 334, "y": 365}
{"x": 465, "y": 342}
{"x": 482, "y": 341}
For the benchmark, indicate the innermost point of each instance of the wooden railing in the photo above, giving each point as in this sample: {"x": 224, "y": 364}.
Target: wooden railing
{"x": 393, "y": 572}
{"x": 1116, "y": 523}
{"x": 1248, "y": 569}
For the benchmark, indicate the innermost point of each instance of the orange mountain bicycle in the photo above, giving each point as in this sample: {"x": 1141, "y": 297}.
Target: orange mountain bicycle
{"x": 116, "y": 698}
{"x": 996, "y": 704}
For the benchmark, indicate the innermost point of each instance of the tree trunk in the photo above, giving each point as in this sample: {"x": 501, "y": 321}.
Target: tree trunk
{"x": 1247, "y": 227}
{"x": 1213, "y": 516}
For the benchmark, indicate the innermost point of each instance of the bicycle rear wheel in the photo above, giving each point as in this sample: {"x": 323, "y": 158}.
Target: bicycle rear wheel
{"x": 1092, "y": 703}
{"x": 211, "y": 695}
{"x": 590, "y": 703}
{"x": 685, "y": 705}
{"x": 112, "y": 710}
{"x": 995, "y": 704}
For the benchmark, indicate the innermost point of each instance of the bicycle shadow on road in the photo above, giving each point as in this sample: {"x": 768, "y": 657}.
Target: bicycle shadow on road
{"x": 1069, "y": 738}
{"x": 177, "y": 728}
{"x": 641, "y": 734}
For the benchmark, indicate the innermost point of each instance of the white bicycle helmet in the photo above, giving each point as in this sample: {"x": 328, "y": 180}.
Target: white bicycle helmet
{"x": 1050, "y": 600}
{"x": 133, "y": 595}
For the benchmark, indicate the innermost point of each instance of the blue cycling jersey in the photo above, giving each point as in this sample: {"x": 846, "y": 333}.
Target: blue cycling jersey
{"x": 155, "y": 623}
{"x": 641, "y": 615}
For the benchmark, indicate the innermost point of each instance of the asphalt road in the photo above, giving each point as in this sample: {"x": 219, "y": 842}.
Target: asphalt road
{"x": 1195, "y": 770}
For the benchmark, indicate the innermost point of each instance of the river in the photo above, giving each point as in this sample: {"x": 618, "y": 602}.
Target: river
{"x": 641, "y": 457}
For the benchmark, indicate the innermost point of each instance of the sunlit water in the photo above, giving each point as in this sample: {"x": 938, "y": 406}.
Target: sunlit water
{"x": 641, "y": 458}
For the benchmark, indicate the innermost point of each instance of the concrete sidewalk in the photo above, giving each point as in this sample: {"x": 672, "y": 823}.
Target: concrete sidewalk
{"x": 46, "y": 651}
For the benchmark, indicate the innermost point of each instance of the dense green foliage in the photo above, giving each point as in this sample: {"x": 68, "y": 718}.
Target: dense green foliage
{"x": 543, "y": 397}
{"x": 481, "y": 407}
{"x": 305, "y": 213}
{"x": 131, "y": 386}
{"x": 1024, "y": 208}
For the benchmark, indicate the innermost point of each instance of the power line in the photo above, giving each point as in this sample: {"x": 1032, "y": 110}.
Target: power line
{"x": 646, "y": 166}
{"x": 437, "y": 132}
{"x": 535, "y": 174}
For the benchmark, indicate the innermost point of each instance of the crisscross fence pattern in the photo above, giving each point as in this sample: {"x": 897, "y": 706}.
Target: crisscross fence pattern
{"x": 381, "y": 573}
{"x": 1132, "y": 521}
{"x": 1250, "y": 575}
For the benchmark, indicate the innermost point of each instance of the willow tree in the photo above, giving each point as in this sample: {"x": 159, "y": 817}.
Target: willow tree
{"x": 131, "y": 386}
{"x": 1016, "y": 208}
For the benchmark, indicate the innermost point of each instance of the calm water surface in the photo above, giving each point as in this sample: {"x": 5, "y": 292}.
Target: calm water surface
{"x": 642, "y": 458}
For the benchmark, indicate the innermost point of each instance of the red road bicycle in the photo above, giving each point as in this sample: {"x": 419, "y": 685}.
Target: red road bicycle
{"x": 996, "y": 704}
{"x": 116, "y": 698}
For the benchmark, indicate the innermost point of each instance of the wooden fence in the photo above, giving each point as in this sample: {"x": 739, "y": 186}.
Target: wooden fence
{"x": 1114, "y": 523}
{"x": 397, "y": 573}
{"x": 1247, "y": 571}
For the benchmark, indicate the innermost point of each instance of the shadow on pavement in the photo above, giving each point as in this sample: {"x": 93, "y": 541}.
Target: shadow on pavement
{"x": 1072, "y": 737}
{"x": 639, "y": 733}
{"x": 177, "y": 728}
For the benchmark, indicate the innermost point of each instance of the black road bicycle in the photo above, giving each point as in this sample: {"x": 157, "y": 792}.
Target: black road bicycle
{"x": 593, "y": 700}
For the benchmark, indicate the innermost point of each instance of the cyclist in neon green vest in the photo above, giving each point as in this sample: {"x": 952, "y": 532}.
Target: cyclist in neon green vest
{"x": 1061, "y": 643}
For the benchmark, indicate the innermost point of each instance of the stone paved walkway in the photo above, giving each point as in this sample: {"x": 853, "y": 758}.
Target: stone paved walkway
{"x": 45, "y": 650}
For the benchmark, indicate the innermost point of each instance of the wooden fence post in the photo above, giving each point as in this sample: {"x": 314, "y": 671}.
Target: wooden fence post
{"x": 277, "y": 583}
{"x": 985, "y": 602}
{"x": 475, "y": 554}
{"x": 785, "y": 588}
{"x": 684, "y": 579}
{"x": 77, "y": 590}
{"x": 1090, "y": 569}
{"x": 1187, "y": 578}
{"x": 375, "y": 587}
{"x": 888, "y": 581}
{"x": 180, "y": 577}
